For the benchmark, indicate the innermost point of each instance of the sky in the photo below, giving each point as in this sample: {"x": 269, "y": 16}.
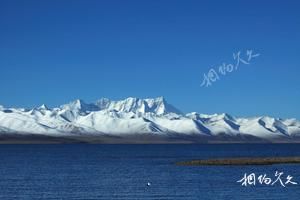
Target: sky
{"x": 56, "y": 51}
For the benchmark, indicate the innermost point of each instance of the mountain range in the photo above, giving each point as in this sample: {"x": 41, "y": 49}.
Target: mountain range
{"x": 135, "y": 120}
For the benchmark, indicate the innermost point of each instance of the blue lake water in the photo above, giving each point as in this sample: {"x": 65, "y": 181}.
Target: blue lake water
{"x": 82, "y": 171}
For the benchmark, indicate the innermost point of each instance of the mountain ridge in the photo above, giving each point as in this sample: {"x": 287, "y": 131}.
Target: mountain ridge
{"x": 143, "y": 118}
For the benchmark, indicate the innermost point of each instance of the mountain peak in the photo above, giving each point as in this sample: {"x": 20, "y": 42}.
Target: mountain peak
{"x": 157, "y": 105}
{"x": 79, "y": 105}
{"x": 43, "y": 107}
{"x": 160, "y": 106}
{"x": 161, "y": 98}
{"x": 226, "y": 116}
{"x": 103, "y": 103}
{"x": 76, "y": 104}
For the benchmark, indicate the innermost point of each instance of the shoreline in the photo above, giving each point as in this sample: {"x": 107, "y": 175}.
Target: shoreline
{"x": 242, "y": 161}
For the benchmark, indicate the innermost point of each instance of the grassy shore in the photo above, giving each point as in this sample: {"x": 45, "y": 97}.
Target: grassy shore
{"x": 242, "y": 161}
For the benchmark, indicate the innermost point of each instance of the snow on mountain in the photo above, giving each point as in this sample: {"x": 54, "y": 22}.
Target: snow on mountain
{"x": 80, "y": 106}
{"x": 158, "y": 106}
{"x": 264, "y": 127}
{"x": 73, "y": 110}
{"x": 293, "y": 126}
{"x": 217, "y": 123}
{"x": 111, "y": 122}
{"x": 21, "y": 122}
{"x": 134, "y": 116}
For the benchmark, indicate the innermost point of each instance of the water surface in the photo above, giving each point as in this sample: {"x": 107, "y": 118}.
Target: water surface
{"x": 83, "y": 171}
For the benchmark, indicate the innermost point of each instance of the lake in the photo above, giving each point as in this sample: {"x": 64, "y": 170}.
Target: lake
{"x": 85, "y": 171}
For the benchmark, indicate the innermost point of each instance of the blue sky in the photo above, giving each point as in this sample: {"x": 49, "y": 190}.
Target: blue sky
{"x": 55, "y": 51}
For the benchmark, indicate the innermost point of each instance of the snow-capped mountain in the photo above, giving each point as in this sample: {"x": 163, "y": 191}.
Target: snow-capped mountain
{"x": 158, "y": 106}
{"x": 144, "y": 119}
